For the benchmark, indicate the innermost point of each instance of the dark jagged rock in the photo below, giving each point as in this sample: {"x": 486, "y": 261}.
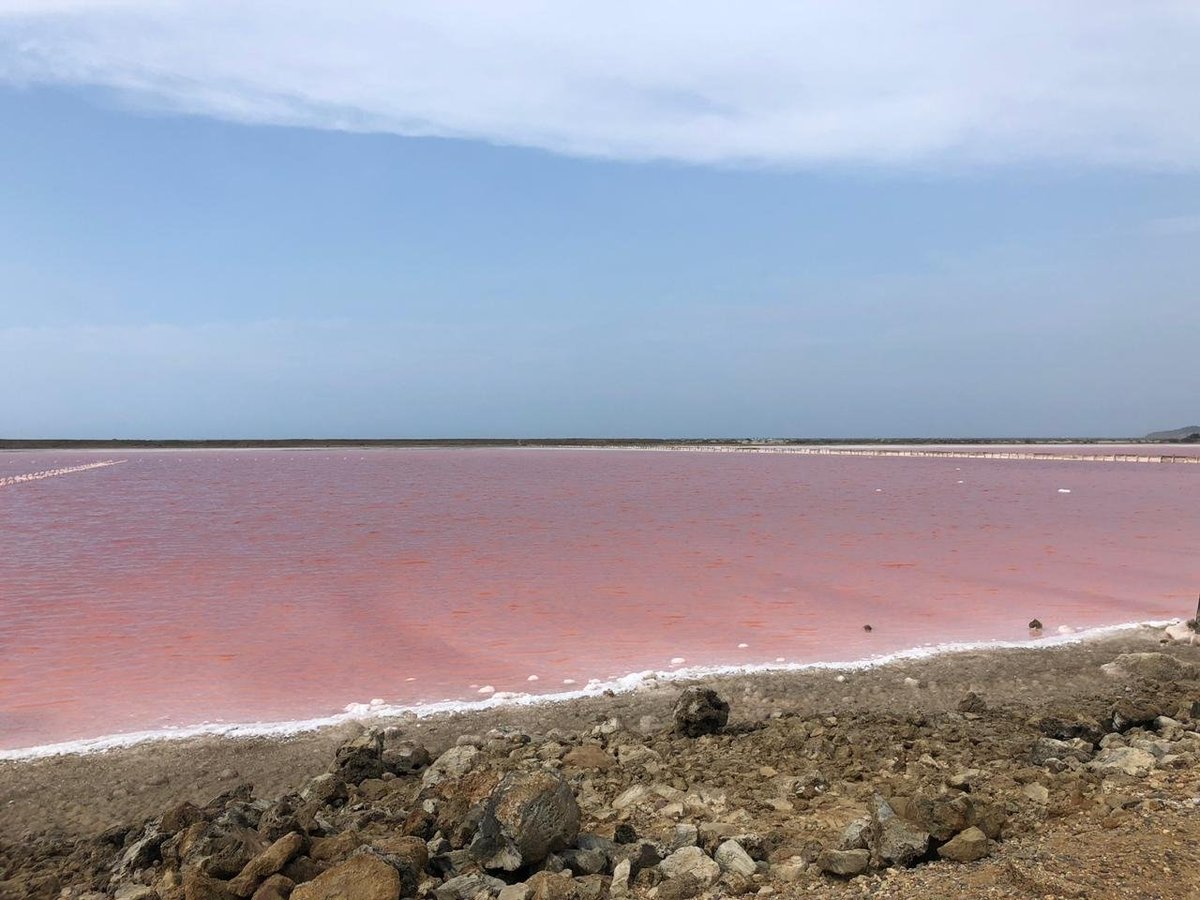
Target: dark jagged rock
{"x": 700, "y": 711}
{"x": 894, "y": 840}
{"x": 361, "y": 758}
{"x": 528, "y": 817}
{"x": 1127, "y": 714}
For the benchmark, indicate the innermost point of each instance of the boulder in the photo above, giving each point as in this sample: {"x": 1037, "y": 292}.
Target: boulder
{"x": 178, "y": 817}
{"x": 405, "y": 757}
{"x": 585, "y": 862}
{"x": 407, "y": 855}
{"x": 267, "y": 863}
{"x": 732, "y": 858}
{"x": 362, "y": 877}
{"x": 142, "y": 853}
{"x": 967, "y": 846}
{"x": 223, "y": 850}
{"x": 622, "y": 873}
{"x": 941, "y": 816}
{"x": 846, "y": 863}
{"x": 277, "y": 887}
{"x": 528, "y": 816}
{"x": 197, "y": 885}
{"x": 1123, "y": 761}
{"x": 692, "y": 862}
{"x": 552, "y": 886}
{"x": 894, "y": 840}
{"x": 700, "y": 711}
{"x": 454, "y": 763}
{"x": 325, "y": 790}
{"x": 1133, "y": 713}
{"x": 1181, "y": 633}
{"x": 468, "y": 887}
{"x": 361, "y": 758}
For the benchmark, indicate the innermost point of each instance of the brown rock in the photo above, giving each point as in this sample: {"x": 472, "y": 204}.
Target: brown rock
{"x": 548, "y": 886}
{"x": 589, "y": 756}
{"x": 200, "y": 886}
{"x": 968, "y": 846}
{"x": 270, "y": 861}
{"x": 180, "y": 816}
{"x": 407, "y": 855}
{"x": 277, "y": 887}
{"x": 336, "y": 848}
{"x": 363, "y": 877}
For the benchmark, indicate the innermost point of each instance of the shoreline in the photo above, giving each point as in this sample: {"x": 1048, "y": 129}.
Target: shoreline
{"x": 371, "y": 713}
{"x": 801, "y": 759}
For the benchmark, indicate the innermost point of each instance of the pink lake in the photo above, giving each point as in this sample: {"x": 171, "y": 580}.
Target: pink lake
{"x": 183, "y": 587}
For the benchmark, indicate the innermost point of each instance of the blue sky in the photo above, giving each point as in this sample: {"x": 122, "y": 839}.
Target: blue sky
{"x": 313, "y": 240}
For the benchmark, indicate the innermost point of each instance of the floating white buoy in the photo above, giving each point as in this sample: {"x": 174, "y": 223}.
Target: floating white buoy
{"x": 532, "y": 678}
{"x": 410, "y": 679}
{"x": 568, "y": 681}
{"x": 1064, "y": 490}
{"x": 743, "y": 646}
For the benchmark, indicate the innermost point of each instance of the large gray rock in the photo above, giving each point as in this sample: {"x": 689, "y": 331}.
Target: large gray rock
{"x": 454, "y": 763}
{"x": 700, "y": 711}
{"x": 732, "y": 858}
{"x": 846, "y": 863}
{"x": 1123, "y": 761}
{"x": 527, "y": 817}
{"x": 693, "y": 862}
{"x": 468, "y": 887}
{"x": 894, "y": 840}
{"x": 405, "y": 757}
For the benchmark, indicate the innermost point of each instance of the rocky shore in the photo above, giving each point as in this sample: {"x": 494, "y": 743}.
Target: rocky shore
{"x": 1067, "y": 772}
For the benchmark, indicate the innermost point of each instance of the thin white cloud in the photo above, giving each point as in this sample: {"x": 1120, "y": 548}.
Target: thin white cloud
{"x": 775, "y": 82}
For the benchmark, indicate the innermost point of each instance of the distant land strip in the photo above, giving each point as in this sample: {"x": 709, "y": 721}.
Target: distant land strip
{"x": 636, "y": 443}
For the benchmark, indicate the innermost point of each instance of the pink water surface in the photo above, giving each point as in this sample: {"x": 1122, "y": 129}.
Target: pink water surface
{"x": 189, "y": 586}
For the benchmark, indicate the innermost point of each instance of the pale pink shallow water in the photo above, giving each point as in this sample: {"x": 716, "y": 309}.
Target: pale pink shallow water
{"x": 189, "y": 586}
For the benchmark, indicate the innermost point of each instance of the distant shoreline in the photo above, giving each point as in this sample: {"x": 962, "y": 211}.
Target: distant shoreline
{"x": 467, "y": 443}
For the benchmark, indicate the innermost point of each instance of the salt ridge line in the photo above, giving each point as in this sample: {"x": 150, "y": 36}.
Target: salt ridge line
{"x": 10, "y": 480}
{"x": 943, "y": 454}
